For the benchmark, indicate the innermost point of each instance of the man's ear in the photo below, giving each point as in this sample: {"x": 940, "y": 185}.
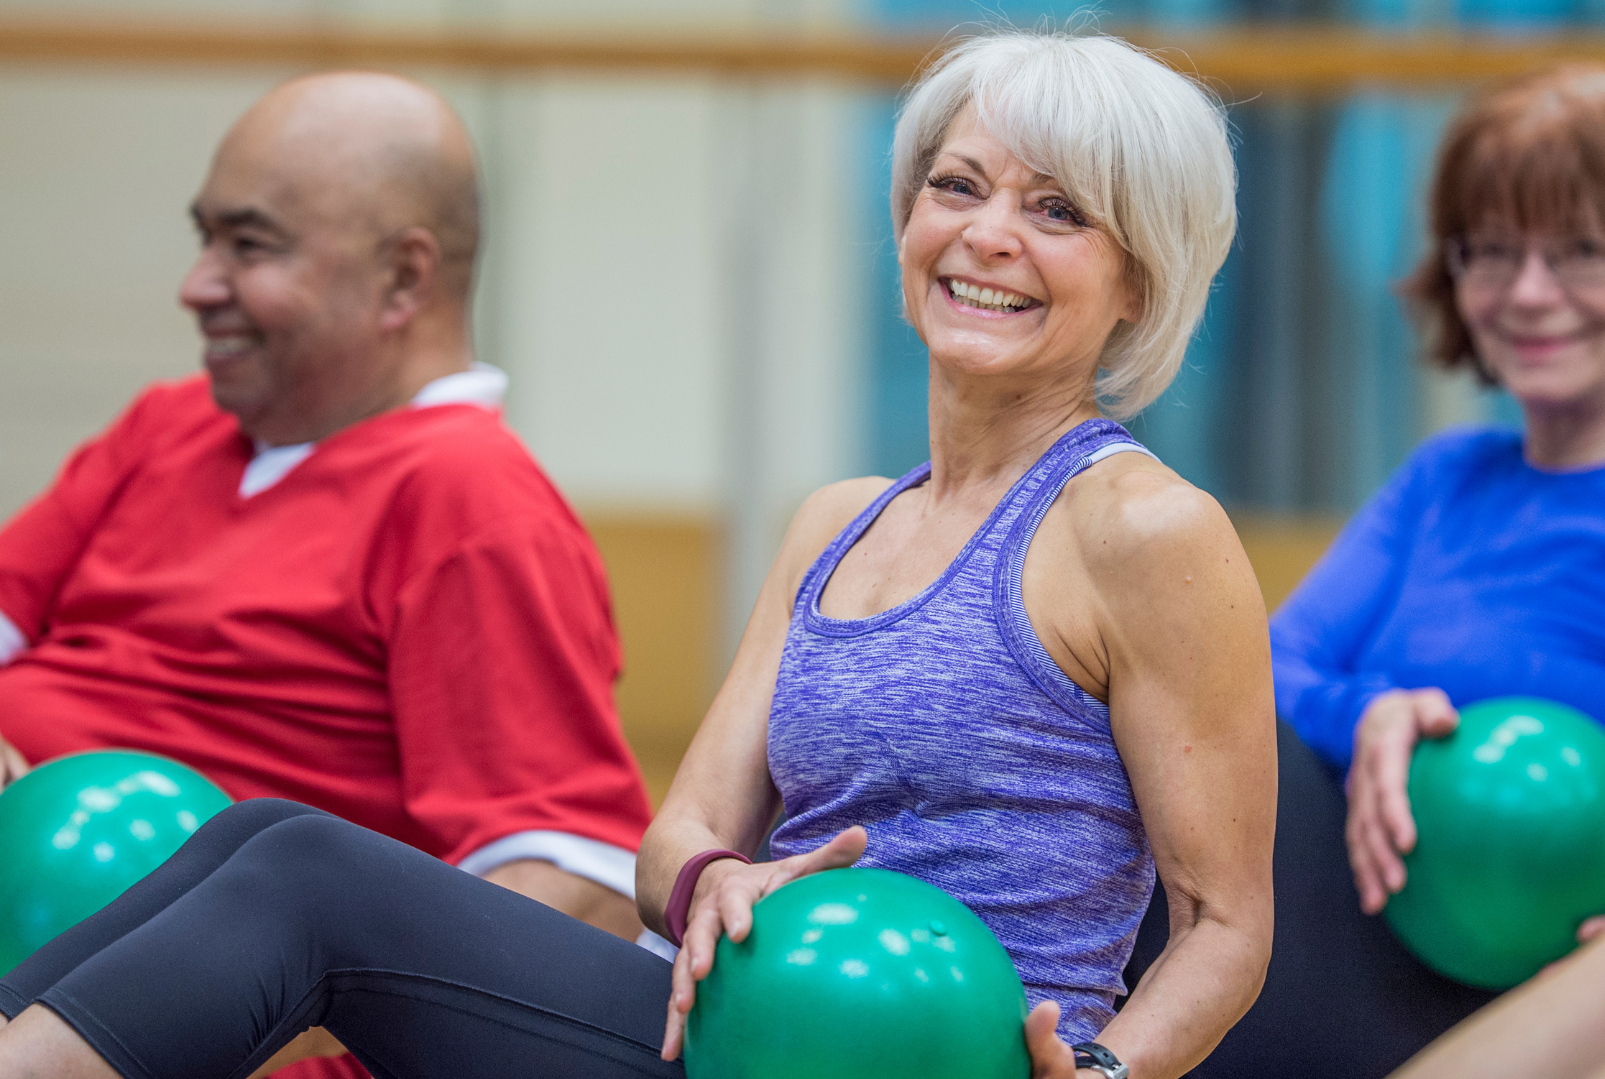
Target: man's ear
{"x": 411, "y": 262}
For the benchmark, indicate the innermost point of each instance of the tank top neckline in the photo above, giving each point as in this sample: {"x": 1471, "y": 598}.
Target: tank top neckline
{"x": 820, "y": 622}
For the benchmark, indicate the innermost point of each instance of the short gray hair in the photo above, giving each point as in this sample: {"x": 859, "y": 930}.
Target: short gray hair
{"x": 1140, "y": 149}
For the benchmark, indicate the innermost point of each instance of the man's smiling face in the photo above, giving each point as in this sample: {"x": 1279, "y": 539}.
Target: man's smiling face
{"x": 288, "y": 284}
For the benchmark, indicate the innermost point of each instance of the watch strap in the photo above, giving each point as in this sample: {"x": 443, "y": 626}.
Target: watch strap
{"x": 1095, "y": 1057}
{"x": 685, "y": 885}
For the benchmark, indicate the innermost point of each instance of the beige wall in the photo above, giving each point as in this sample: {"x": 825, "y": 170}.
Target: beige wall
{"x": 723, "y": 14}
{"x": 614, "y": 287}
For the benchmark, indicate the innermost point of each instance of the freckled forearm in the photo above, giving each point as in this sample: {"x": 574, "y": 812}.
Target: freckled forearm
{"x": 669, "y": 844}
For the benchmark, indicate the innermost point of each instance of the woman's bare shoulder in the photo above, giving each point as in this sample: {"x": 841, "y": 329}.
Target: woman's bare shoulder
{"x": 836, "y": 504}
{"x": 821, "y": 518}
{"x": 1130, "y": 511}
{"x": 1160, "y": 569}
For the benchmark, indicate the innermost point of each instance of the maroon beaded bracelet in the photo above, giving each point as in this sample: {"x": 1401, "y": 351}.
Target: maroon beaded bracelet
{"x": 685, "y": 885}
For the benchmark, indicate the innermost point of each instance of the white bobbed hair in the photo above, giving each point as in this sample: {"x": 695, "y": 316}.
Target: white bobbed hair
{"x": 1140, "y": 149}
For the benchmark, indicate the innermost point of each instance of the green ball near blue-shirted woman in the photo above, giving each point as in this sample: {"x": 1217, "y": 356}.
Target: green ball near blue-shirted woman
{"x": 1510, "y": 859}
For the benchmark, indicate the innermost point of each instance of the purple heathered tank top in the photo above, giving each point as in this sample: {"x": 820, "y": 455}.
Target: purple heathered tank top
{"x": 945, "y": 729}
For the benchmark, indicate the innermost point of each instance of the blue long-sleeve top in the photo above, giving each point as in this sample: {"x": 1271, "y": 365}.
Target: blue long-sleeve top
{"x": 1470, "y": 571}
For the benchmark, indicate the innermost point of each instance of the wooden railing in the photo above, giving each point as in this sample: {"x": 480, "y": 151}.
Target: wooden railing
{"x": 1243, "y": 60}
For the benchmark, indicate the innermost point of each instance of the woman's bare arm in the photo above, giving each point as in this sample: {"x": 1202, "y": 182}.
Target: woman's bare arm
{"x": 1178, "y": 628}
{"x": 722, "y": 796}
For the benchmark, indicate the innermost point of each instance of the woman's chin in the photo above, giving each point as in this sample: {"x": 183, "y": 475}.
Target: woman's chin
{"x": 979, "y": 354}
{"x": 979, "y": 363}
{"x": 1547, "y": 390}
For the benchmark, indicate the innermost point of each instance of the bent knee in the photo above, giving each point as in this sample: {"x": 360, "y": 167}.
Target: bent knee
{"x": 243, "y": 820}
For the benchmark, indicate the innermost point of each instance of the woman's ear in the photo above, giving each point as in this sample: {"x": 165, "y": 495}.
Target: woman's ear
{"x": 1135, "y": 302}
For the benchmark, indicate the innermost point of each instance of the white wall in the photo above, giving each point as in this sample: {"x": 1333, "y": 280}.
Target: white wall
{"x": 95, "y": 173}
{"x": 603, "y": 285}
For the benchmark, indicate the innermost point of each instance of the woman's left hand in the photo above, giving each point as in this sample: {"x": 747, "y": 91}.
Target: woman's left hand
{"x": 1051, "y": 1056}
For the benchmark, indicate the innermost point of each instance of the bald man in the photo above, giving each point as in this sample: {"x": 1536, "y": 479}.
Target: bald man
{"x": 324, "y": 570}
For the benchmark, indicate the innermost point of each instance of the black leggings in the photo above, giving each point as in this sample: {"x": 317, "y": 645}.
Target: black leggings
{"x": 274, "y": 918}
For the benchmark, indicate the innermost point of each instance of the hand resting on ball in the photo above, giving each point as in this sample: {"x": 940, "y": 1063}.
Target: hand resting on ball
{"x": 13, "y": 765}
{"x": 722, "y": 906}
{"x": 1381, "y": 828}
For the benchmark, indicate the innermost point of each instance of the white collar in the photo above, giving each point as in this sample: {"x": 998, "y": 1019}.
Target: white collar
{"x": 481, "y": 385}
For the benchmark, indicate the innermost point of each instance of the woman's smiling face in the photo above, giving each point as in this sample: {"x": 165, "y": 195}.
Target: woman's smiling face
{"x": 1001, "y": 271}
{"x": 1540, "y": 333}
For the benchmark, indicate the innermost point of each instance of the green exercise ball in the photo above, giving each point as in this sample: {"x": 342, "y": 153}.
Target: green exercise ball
{"x": 1510, "y": 855}
{"x": 78, "y": 830}
{"x": 859, "y": 974}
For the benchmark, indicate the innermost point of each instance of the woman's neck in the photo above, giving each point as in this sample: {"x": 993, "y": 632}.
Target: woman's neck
{"x": 1565, "y": 438}
{"x": 986, "y": 431}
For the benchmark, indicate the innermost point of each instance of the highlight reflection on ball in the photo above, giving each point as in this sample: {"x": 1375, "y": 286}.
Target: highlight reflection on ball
{"x": 1510, "y": 859}
{"x": 860, "y": 973}
{"x": 76, "y": 832}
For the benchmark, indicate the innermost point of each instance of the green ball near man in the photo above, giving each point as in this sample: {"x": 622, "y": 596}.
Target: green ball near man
{"x": 78, "y": 831}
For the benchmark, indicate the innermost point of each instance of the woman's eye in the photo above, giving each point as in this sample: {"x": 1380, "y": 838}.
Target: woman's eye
{"x": 1587, "y": 247}
{"x": 958, "y": 185}
{"x": 1493, "y": 250}
{"x": 1056, "y": 210}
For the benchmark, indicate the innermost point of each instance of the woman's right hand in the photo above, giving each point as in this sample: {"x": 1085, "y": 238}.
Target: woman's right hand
{"x": 722, "y": 906}
{"x": 1381, "y": 828}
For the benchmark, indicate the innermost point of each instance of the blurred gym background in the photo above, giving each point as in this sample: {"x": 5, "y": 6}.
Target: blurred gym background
{"x": 689, "y": 272}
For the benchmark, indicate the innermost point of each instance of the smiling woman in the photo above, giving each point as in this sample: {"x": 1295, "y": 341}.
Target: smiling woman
{"x": 1031, "y": 672}
{"x": 1043, "y": 641}
{"x": 1114, "y": 142}
{"x": 1476, "y": 572}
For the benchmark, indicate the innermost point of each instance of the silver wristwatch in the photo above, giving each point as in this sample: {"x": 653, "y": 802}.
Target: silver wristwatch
{"x": 1094, "y": 1057}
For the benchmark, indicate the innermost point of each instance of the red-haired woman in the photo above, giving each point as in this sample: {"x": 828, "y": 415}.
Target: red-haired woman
{"x": 1479, "y": 569}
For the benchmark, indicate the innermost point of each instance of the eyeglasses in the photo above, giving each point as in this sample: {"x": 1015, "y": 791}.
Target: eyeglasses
{"x": 1494, "y": 262}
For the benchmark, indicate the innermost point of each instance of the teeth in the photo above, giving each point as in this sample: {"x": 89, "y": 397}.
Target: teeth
{"x": 975, "y": 296}
{"x": 222, "y": 346}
